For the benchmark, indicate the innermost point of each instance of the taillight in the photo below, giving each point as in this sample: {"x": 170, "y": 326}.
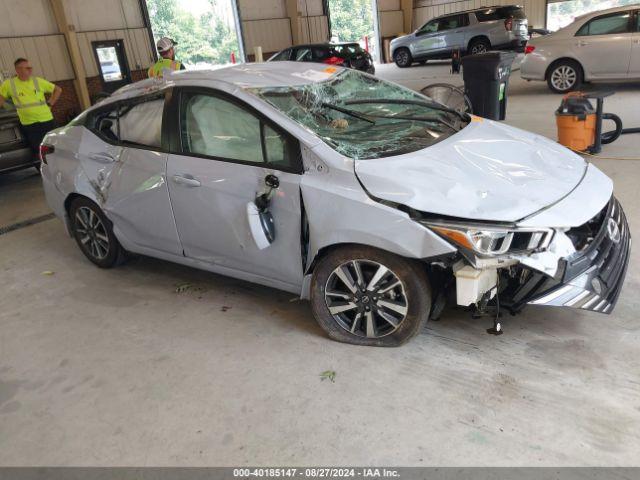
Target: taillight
{"x": 508, "y": 24}
{"x": 44, "y": 151}
{"x": 529, "y": 49}
{"x": 334, "y": 61}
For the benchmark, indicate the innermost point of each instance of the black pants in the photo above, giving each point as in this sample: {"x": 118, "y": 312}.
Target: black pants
{"x": 35, "y": 132}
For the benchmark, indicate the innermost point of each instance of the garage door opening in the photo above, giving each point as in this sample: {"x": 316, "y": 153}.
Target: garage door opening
{"x": 355, "y": 21}
{"x": 562, "y": 13}
{"x": 204, "y": 29}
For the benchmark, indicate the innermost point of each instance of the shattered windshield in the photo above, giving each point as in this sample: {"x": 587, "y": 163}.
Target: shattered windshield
{"x": 363, "y": 117}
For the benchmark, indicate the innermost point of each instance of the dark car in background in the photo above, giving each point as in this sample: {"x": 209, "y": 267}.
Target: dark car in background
{"x": 350, "y": 55}
{"x": 14, "y": 150}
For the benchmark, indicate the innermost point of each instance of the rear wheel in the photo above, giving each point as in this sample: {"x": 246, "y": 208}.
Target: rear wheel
{"x": 564, "y": 76}
{"x": 402, "y": 57}
{"x": 94, "y": 234}
{"x": 479, "y": 45}
{"x": 365, "y": 296}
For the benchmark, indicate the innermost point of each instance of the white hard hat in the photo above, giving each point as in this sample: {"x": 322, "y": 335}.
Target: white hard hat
{"x": 165, "y": 44}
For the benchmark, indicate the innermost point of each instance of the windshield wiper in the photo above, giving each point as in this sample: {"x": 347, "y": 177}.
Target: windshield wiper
{"x": 402, "y": 101}
{"x": 418, "y": 119}
{"x": 346, "y": 111}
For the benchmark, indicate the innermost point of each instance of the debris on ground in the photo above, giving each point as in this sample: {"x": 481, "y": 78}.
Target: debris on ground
{"x": 187, "y": 287}
{"x": 328, "y": 375}
{"x": 224, "y": 308}
{"x": 47, "y": 272}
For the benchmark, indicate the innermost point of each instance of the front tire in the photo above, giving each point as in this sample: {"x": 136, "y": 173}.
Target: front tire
{"x": 365, "y": 296}
{"x": 94, "y": 234}
{"x": 402, "y": 57}
{"x": 564, "y": 76}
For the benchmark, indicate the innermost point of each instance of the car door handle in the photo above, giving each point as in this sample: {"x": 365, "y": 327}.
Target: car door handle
{"x": 582, "y": 43}
{"x": 187, "y": 181}
{"x": 103, "y": 157}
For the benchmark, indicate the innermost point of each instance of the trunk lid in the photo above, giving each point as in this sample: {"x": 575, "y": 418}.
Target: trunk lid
{"x": 487, "y": 171}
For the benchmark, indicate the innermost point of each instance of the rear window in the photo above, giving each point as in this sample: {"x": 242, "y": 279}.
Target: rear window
{"x": 500, "y": 13}
{"x": 348, "y": 50}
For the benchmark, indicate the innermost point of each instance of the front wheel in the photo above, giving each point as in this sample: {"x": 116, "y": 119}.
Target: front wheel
{"x": 365, "y": 296}
{"x": 564, "y": 76}
{"x": 402, "y": 57}
{"x": 94, "y": 234}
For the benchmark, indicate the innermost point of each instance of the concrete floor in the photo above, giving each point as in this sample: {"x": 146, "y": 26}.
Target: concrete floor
{"x": 116, "y": 368}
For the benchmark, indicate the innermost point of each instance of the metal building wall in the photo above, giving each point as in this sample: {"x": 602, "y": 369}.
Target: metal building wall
{"x": 31, "y": 31}
{"x": 266, "y": 24}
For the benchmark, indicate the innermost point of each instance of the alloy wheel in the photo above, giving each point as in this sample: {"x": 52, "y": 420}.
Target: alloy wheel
{"x": 91, "y": 233}
{"x": 564, "y": 77}
{"x": 402, "y": 57}
{"x": 366, "y": 298}
{"x": 479, "y": 48}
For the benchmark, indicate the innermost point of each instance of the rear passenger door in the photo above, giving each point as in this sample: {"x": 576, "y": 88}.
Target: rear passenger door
{"x": 125, "y": 164}
{"x": 453, "y": 30}
{"x": 603, "y": 45}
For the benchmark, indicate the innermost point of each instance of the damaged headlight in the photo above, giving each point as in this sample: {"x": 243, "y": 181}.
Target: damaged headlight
{"x": 490, "y": 241}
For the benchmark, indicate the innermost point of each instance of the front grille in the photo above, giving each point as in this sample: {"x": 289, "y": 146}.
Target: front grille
{"x": 593, "y": 277}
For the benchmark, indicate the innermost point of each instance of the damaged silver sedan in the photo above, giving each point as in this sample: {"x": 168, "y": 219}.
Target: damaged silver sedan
{"x": 367, "y": 198}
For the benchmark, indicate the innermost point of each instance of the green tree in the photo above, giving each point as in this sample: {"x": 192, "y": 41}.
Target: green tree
{"x": 204, "y": 39}
{"x": 351, "y": 20}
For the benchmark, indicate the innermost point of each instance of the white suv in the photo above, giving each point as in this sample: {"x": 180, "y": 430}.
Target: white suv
{"x": 602, "y": 45}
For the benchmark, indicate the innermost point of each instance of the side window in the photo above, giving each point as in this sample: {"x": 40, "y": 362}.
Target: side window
{"x": 141, "y": 124}
{"x": 283, "y": 55}
{"x": 104, "y": 123}
{"x": 217, "y": 128}
{"x": 449, "y": 23}
{"x": 429, "y": 27}
{"x": 275, "y": 146}
{"x": 488, "y": 15}
{"x": 303, "y": 55}
{"x": 137, "y": 123}
{"x": 606, "y": 25}
{"x": 214, "y": 127}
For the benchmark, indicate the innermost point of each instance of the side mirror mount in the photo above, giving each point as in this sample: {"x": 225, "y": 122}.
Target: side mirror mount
{"x": 260, "y": 219}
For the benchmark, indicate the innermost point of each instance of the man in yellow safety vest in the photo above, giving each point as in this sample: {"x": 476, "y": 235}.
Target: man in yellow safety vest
{"x": 28, "y": 94}
{"x": 167, "y": 61}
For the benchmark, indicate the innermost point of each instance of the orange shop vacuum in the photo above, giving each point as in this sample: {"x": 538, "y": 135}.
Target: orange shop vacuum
{"x": 580, "y": 125}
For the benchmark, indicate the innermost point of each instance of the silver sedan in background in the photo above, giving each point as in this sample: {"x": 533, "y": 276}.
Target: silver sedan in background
{"x": 599, "y": 46}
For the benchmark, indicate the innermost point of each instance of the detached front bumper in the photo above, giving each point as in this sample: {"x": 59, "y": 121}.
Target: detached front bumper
{"x": 593, "y": 278}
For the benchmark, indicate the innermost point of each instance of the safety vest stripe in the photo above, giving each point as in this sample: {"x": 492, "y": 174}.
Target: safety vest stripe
{"x": 16, "y": 99}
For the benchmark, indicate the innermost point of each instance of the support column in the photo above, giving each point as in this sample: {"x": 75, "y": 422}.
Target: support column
{"x": 69, "y": 32}
{"x": 407, "y": 15}
{"x": 292, "y": 13}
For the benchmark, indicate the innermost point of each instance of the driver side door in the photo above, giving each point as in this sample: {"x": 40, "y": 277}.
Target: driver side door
{"x": 224, "y": 151}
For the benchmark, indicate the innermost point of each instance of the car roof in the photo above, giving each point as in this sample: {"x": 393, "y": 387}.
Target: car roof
{"x": 337, "y": 44}
{"x": 479, "y": 9}
{"x": 248, "y": 75}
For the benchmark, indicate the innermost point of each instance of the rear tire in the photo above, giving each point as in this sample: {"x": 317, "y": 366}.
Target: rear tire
{"x": 403, "y": 58}
{"x": 479, "y": 45}
{"x": 365, "y": 296}
{"x": 564, "y": 76}
{"x": 94, "y": 234}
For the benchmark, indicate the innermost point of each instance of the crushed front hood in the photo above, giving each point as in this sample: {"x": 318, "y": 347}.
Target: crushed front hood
{"x": 487, "y": 171}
